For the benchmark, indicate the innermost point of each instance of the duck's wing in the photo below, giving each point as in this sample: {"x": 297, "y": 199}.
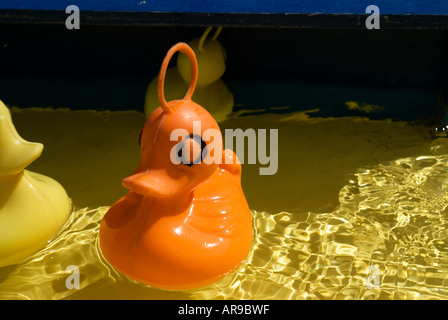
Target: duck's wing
{"x": 219, "y": 207}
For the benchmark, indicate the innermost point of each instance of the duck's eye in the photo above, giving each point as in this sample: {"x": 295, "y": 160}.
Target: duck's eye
{"x": 140, "y": 137}
{"x": 192, "y": 150}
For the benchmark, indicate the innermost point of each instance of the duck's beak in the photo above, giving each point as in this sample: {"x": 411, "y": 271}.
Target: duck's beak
{"x": 16, "y": 153}
{"x": 158, "y": 183}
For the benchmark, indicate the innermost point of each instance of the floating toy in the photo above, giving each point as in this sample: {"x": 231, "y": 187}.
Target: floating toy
{"x": 33, "y": 207}
{"x": 211, "y": 92}
{"x": 184, "y": 223}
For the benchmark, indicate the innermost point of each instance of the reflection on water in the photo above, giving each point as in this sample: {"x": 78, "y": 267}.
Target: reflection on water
{"x": 388, "y": 239}
{"x": 44, "y": 275}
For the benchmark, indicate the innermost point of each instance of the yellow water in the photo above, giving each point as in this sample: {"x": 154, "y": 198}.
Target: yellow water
{"x": 351, "y": 195}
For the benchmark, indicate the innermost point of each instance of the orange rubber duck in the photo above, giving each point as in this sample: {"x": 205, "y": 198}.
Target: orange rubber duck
{"x": 184, "y": 224}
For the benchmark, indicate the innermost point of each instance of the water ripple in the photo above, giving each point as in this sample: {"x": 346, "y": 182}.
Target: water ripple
{"x": 392, "y": 219}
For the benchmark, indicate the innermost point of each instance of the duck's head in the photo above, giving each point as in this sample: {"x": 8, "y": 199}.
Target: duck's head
{"x": 211, "y": 57}
{"x": 175, "y": 155}
{"x": 15, "y": 153}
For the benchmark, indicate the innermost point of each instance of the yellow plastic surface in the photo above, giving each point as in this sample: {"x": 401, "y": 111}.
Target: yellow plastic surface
{"x": 33, "y": 207}
{"x": 211, "y": 62}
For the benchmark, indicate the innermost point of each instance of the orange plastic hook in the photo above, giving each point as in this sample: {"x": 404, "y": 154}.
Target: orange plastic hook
{"x": 186, "y": 49}
{"x": 182, "y": 225}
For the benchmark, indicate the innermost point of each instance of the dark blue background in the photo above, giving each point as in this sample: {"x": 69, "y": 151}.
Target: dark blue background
{"x": 439, "y": 7}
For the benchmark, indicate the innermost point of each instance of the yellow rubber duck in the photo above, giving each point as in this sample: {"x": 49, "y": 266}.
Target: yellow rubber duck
{"x": 33, "y": 207}
{"x": 211, "y": 92}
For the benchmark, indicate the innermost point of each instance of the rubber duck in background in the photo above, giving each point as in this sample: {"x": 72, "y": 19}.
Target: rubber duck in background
{"x": 184, "y": 225}
{"x": 211, "y": 92}
{"x": 33, "y": 207}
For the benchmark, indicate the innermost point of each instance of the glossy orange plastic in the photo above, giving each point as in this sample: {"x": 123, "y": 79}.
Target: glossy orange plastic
{"x": 181, "y": 226}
